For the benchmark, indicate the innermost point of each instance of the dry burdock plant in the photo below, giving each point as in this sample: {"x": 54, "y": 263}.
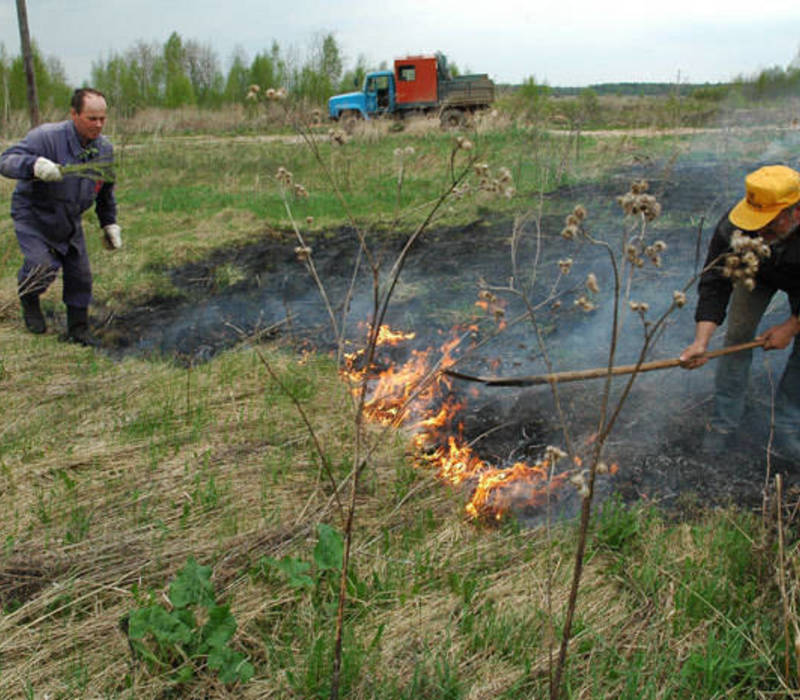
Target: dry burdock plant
{"x": 639, "y": 208}
{"x": 462, "y": 160}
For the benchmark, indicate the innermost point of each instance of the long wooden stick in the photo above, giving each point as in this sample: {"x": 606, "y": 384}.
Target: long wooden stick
{"x": 597, "y": 372}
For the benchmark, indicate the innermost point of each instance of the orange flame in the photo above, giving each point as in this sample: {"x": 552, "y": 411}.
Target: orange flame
{"x": 415, "y": 396}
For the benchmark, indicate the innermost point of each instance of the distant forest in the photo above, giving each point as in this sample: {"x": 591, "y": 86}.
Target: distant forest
{"x": 643, "y": 89}
{"x": 185, "y": 72}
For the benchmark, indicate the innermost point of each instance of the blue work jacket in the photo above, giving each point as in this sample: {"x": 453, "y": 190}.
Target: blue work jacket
{"x": 52, "y": 211}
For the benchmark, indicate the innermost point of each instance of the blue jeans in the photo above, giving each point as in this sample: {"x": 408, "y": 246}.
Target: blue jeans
{"x": 733, "y": 371}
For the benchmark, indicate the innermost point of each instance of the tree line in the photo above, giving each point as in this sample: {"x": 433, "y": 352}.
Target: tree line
{"x": 183, "y": 73}
{"x": 51, "y": 82}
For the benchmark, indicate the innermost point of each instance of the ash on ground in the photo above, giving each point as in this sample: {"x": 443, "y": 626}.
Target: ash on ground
{"x": 262, "y": 291}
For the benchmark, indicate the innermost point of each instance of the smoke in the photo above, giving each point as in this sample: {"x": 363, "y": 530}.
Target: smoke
{"x": 659, "y": 429}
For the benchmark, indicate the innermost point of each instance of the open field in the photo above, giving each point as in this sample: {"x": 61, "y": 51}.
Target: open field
{"x": 119, "y": 466}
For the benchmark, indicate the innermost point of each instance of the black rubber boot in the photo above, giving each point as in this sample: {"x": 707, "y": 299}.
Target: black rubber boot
{"x": 32, "y": 313}
{"x": 78, "y": 327}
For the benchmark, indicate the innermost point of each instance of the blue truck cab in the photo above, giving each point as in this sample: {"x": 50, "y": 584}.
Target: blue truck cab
{"x": 377, "y": 97}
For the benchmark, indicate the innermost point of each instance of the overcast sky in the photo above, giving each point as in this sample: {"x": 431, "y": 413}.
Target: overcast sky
{"x": 559, "y": 42}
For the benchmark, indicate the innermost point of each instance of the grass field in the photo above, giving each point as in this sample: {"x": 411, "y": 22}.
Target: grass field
{"x": 119, "y": 477}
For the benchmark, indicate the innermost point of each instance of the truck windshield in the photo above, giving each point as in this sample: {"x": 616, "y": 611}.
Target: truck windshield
{"x": 379, "y": 82}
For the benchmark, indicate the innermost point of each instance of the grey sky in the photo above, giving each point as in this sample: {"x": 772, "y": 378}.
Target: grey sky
{"x": 560, "y": 42}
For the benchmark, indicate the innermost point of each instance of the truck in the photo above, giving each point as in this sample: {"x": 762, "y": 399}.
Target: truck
{"x": 417, "y": 85}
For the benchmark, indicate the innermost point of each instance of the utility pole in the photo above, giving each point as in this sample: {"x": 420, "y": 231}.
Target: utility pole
{"x": 27, "y": 59}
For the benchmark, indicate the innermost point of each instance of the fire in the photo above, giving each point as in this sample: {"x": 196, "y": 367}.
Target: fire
{"x": 386, "y": 336}
{"x": 417, "y": 396}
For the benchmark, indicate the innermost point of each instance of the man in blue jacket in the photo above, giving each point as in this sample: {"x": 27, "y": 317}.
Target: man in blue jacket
{"x": 56, "y": 184}
{"x": 754, "y": 253}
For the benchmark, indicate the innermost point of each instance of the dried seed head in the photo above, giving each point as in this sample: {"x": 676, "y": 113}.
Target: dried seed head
{"x": 460, "y": 190}
{"x": 284, "y": 176}
{"x": 569, "y": 233}
{"x": 749, "y": 258}
{"x": 580, "y": 212}
{"x": 504, "y": 175}
{"x": 591, "y": 283}
{"x": 637, "y": 202}
{"x": 303, "y": 253}
{"x": 464, "y": 143}
{"x": 337, "y": 137}
{"x": 565, "y": 264}
{"x": 552, "y": 454}
{"x": 309, "y": 220}
{"x": 578, "y": 478}
{"x": 679, "y": 298}
{"x": 579, "y": 481}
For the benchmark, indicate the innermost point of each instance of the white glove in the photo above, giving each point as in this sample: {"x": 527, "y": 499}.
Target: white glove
{"x": 46, "y": 170}
{"x": 112, "y": 237}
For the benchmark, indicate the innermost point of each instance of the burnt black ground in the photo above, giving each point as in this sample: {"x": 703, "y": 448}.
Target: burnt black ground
{"x": 656, "y": 442}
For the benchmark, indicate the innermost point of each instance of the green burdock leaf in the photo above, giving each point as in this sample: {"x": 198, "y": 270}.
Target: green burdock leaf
{"x": 295, "y": 570}
{"x": 219, "y": 628}
{"x": 183, "y": 675}
{"x": 329, "y": 552}
{"x": 165, "y": 627}
{"x": 192, "y": 586}
{"x": 232, "y": 665}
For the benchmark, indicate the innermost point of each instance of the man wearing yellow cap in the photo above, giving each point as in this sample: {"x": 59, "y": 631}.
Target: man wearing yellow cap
{"x": 771, "y": 211}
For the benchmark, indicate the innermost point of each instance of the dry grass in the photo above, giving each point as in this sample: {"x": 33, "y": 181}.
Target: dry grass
{"x": 146, "y": 500}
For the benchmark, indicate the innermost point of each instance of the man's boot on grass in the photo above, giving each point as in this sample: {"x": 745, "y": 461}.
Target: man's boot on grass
{"x": 78, "y": 327}
{"x": 32, "y": 313}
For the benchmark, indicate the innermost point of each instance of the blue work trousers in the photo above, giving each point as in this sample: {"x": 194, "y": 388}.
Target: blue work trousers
{"x": 42, "y": 262}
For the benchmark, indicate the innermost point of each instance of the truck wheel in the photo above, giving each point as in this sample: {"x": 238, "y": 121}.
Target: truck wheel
{"x": 452, "y": 119}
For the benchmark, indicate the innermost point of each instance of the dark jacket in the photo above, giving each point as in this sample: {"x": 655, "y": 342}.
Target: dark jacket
{"x": 781, "y": 271}
{"x": 52, "y": 210}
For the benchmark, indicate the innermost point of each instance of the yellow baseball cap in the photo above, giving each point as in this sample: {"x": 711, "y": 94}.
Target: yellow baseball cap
{"x": 769, "y": 190}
